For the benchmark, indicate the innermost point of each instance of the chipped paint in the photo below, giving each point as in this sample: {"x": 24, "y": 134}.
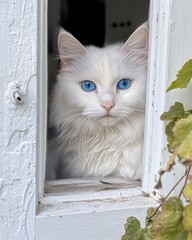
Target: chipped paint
{"x": 18, "y": 67}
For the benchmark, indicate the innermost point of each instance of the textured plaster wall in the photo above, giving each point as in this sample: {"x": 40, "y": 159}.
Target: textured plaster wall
{"x": 18, "y": 67}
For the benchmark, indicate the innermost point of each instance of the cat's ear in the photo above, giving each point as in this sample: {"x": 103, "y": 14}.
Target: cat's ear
{"x": 138, "y": 41}
{"x": 69, "y": 48}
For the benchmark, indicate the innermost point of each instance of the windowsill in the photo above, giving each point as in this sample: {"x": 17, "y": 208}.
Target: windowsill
{"x": 74, "y": 196}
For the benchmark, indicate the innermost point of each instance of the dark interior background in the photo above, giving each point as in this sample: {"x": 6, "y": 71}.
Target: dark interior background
{"x": 92, "y": 22}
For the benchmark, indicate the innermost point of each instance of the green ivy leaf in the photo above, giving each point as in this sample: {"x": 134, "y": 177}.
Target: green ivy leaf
{"x": 183, "y": 77}
{"x": 175, "y": 111}
{"x": 182, "y": 144}
{"x": 142, "y": 234}
{"x": 189, "y": 237}
{"x": 150, "y": 212}
{"x": 187, "y": 192}
{"x": 187, "y": 218}
{"x": 170, "y": 136}
{"x": 169, "y": 223}
{"x": 173, "y": 204}
{"x": 131, "y": 228}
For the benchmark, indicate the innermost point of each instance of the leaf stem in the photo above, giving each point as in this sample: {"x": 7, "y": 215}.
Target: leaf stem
{"x": 156, "y": 210}
{"x": 185, "y": 183}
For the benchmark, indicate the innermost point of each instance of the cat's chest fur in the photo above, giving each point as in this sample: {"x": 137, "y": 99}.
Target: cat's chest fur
{"x": 97, "y": 152}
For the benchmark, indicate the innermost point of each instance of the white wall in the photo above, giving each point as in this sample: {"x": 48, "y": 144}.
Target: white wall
{"x": 18, "y": 77}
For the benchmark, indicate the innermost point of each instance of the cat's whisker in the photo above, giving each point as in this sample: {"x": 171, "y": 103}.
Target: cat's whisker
{"x": 57, "y": 57}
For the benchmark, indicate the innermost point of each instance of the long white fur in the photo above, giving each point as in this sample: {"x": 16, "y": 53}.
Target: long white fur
{"x": 90, "y": 144}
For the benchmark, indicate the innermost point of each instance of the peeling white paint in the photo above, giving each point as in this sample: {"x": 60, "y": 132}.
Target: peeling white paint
{"x": 170, "y": 47}
{"x": 18, "y": 68}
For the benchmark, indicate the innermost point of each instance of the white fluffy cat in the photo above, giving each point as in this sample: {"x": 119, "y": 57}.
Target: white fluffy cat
{"x": 97, "y": 106}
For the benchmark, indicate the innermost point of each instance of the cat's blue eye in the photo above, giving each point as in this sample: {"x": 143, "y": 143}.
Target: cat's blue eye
{"x": 88, "y": 86}
{"x": 124, "y": 84}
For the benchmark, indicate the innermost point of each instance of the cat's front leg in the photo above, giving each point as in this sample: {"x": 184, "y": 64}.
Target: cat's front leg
{"x": 130, "y": 166}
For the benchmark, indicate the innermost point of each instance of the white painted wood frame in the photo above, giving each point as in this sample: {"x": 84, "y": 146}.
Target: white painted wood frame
{"x": 170, "y": 48}
{"x": 97, "y": 212}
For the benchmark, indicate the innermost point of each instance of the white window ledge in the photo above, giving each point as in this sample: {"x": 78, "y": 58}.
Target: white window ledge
{"x": 96, "y": 210}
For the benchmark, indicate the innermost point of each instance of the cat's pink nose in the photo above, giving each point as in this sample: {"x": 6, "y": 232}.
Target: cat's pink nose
{"x": 107, "y": 105}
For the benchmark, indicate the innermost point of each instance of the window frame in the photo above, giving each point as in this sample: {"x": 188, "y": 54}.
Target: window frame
{"x": 42, "y": 96}
{"x": 159, "y": 77}
{"x": 166, "y": 24}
